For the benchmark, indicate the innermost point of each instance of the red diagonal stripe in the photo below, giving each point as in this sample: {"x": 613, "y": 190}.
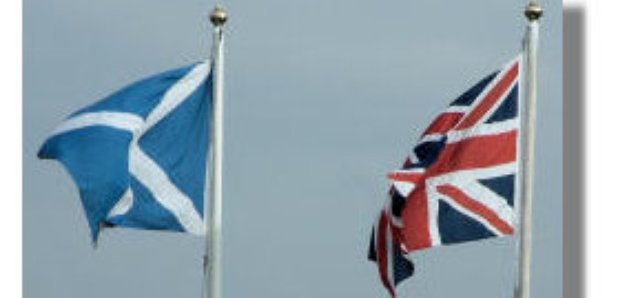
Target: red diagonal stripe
{"x": 490, "y": 99}
{"x": 383, "y": 253}
{"x": 411, "y": 177}
{"x": 481, "y": 210}
{"x": 476, "y": 152}
{"x": 443, "y": 123}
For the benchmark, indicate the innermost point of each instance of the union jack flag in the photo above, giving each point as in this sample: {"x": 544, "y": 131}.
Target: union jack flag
{"x": 458, "y": 184}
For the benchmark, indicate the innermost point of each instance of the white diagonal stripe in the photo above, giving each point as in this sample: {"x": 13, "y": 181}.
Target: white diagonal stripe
{"x": 478, "y": 173}
{"x": 148, "y": 172}
{"x": 120, "y": 120}
{"x": 434, "y": 137}
{"x": 483, "y": 130}
{"x": 404, "y": 187}
{"x": 479, "y": 98}
{"x": 123, "y": 205}
{"x": 164, "y": 191}
{"x": 488, "y": 198}
{"x": 457, "y": 109}
{"x": 176, "y": 94}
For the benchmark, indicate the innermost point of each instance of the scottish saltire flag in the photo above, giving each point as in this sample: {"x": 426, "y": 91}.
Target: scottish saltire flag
{"x": 458, "y": 183}
{"x": 138, "y": 157}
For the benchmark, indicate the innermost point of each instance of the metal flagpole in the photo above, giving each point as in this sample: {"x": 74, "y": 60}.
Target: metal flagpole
{"x": 533, "y": 14}
{"x": 212, "y": 262}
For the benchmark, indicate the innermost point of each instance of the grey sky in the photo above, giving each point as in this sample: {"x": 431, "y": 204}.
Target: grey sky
{"x": 323, "y": 98}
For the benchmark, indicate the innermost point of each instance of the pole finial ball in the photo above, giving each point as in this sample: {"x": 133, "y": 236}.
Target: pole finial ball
{"x": 218, "y": 16}
{"x": 533, "y": 11}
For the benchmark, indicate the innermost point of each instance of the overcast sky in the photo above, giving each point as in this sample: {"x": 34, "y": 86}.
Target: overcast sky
{"x": 323, "y": 98}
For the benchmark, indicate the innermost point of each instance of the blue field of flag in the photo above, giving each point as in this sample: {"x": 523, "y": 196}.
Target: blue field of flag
{"x": 138, "y": 157}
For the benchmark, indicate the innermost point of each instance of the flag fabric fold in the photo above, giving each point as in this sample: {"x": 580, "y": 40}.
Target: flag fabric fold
{"x": 458, "y": 183}
{"x": 138, "y": 156}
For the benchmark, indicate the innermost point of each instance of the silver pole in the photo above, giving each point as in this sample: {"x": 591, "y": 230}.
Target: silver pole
{"x": 533, "y": 14}
{"x": 212, "y": 264}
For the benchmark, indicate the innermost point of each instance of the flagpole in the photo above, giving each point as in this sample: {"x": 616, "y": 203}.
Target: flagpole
{"x": 533, "y": 13}
{"x": 212, "y": 263}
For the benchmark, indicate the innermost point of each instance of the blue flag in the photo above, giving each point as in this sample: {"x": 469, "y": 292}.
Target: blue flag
{"x": 138, "y": 157}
